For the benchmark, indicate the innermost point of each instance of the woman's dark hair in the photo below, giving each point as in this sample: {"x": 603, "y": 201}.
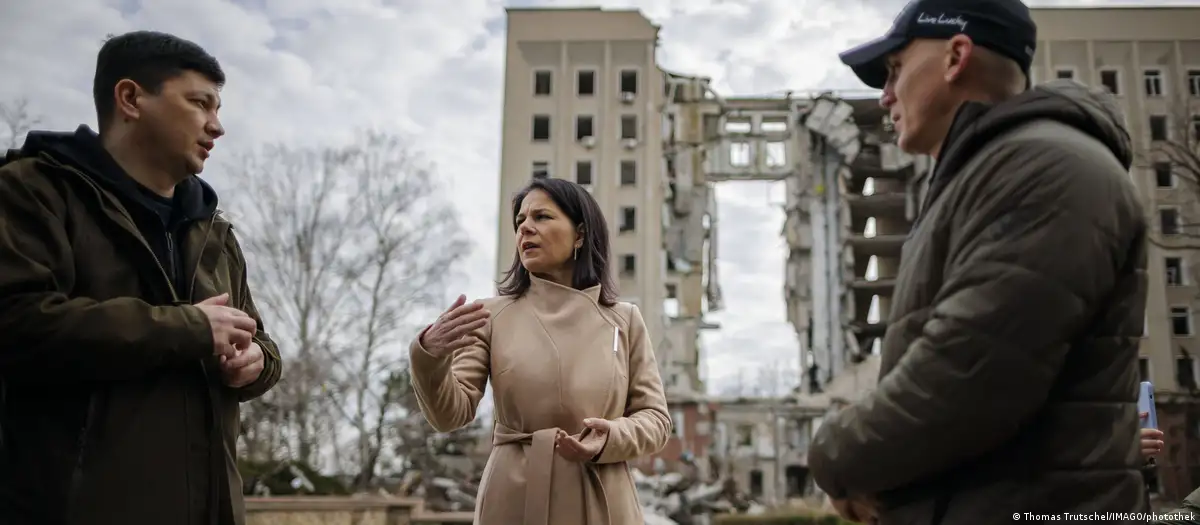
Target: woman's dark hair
{"x": 591, "y": 265}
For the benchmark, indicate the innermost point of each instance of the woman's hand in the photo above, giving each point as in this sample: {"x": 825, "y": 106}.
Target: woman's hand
{"x": 586, "y": 445}
{"x": 1152, "y": 443}
{"x": 448, "y": 333}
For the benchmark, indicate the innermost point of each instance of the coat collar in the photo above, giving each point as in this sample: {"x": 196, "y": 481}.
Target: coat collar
{"x": 551, "y": 293}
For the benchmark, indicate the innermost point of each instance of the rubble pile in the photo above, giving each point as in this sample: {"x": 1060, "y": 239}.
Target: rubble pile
{"x": 677, "y": 499}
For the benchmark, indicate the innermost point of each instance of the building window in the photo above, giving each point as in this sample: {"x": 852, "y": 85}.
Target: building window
{"x": 1158, "y": 128}
{"x": 1195, "y": 128}
{"x": 585, "y": 83}
{"x": 1181, "y": 321}
{"x": 628, "y": 219}
{"x": 1153, "y": 80}
{"x": 1143, "y": 369}
{"x": 1064, "y": 74}
{"x": 583, "y": 173}
{"x": 629, "y": 83}
{"x": 1194, "y": 82}
{"x": 1185, "y": 372}
{"x": 541, "y": 169}
{"x": 1174, "y": 268}
{"x": 628, "y": 173}
{"x": 628, "y": 264}
{"x": 541, "y": 128}
{"x": 677, "y": 423}
{"x": 628, "y": 126}
{"x": 745, "y": 435}
{"x": 583, "y": 127}
{"x": 1111, "y": 81}
{"x": 1163, "y": 178}
{"x": 1168, "y": 221}
{"x": 541, "y": 83}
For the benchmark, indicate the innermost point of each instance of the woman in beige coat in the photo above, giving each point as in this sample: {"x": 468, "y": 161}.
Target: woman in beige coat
{"x": 576, "y": 387}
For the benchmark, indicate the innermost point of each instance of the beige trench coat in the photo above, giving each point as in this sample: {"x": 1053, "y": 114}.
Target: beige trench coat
{"x": 555, "y": 357}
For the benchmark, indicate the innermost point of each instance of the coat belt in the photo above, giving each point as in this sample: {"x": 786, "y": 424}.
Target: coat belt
{"x": 539, "y": 471}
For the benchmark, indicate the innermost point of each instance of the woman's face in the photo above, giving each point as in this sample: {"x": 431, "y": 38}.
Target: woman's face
{"x": 546, "y": 238}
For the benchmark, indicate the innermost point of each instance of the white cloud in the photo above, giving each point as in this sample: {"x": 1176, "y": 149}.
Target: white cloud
{"x": 307, "y": 71}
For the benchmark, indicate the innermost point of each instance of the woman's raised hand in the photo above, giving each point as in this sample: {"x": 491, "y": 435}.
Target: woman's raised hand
{"x": 449, "y": 332}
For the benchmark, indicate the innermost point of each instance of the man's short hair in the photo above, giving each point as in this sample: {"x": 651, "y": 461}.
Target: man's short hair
{"x": 149, "y": 58}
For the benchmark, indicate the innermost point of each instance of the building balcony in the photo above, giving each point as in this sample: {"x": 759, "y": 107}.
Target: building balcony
{"x": 879, "y": 245}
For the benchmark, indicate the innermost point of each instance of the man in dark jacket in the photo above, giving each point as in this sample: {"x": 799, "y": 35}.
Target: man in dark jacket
{"x": 1008, "y": 376}
{"x": 129, "y": 334}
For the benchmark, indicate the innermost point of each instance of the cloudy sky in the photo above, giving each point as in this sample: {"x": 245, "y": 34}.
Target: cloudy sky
{"x": 312, "y": 71}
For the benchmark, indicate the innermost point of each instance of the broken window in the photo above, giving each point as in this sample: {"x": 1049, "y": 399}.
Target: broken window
{"x": 1158, "y": 128}
{"x": 677, "y": 424}
{"x": 1144, "y": 368}
{"x": 672, "y": 291}
{"x": 541, "y": 127}
{"x": 583, "y": 127}
{"x": 628, "y": 126}
{"x": 737, "y": 126}
{"x": 1181, "y": 321}
{"x": 756, "y": 483}
{"x": 1065, "y": 74}
{"x": 628, "y": 173}
{"x": 774, "y": 126}
{"x": 541, "y": 83}
{"x": 628, "y": 264}
{"x": 583, "y": 172}
{"x": 628, "y": 219}
{"x": 1162, "y": 175}
{"x": 585, "y": 83}
{"x": 1168, "y": 221}
{"x": 541, "y": 169}
{"x": 1185, "y": 372}
{"x": 1111, "y": 81}
{"x": 1174, "y": 268}
{"x": 629, "y": 81}
{"x": 776, "y": 154}
{"x": 1194, "y": 82}
{"x": 745, "y": 436}
{"x": 1154, "y": 82}
{"x": 739, "y": 154}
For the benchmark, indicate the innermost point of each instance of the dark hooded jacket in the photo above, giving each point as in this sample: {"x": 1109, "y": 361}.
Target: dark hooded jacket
{"x": 1008, "y": 380}
{"x": 114, "y": 411}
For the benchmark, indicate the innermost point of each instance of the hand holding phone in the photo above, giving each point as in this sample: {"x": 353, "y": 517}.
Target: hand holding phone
{"x": 1146, "y": 405}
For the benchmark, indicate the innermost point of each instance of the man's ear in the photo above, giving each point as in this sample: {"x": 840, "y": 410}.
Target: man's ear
{"x": 127, "y": 94}
{"x": 959, "y": 50}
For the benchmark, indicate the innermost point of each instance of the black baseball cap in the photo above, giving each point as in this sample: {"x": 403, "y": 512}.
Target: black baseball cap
{"x": 1003, "y": 26}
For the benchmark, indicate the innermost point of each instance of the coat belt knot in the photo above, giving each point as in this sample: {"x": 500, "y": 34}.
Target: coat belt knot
{"x": 539, "y": 471}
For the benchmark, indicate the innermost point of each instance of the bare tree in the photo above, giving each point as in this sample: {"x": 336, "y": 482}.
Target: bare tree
{"x": 408, "y": 239}
{"x": 17, "y": 120}
{"x": 348, "y": 246}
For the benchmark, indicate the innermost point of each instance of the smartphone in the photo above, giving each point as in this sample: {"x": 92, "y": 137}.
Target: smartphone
{"x": 1146, "y": 404}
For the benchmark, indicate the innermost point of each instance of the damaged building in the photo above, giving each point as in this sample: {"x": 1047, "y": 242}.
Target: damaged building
{"x": 586, "y": 100}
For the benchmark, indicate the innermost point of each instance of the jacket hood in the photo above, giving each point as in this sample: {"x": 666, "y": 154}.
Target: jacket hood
{"x": 83, "y": 151}
{"x": 1090, "y": 110}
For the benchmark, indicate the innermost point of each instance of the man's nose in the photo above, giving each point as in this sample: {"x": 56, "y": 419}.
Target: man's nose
{"x": 214, "y": 128}
{"x": 888, "y": 99}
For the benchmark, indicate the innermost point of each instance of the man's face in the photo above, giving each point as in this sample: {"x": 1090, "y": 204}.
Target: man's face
{"x": 180, "y": 123}
{"x": 917, "y": 95}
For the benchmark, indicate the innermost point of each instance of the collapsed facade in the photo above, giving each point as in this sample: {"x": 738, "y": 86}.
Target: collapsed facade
{"x": 585, "y": 99}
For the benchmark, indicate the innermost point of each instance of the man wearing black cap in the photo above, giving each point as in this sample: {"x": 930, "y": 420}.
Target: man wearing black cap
{"x": 1008, "y": 372}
